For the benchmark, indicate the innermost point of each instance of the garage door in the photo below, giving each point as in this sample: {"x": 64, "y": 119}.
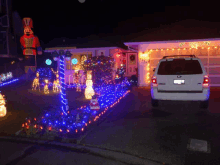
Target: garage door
{"x": 209, "y": 57}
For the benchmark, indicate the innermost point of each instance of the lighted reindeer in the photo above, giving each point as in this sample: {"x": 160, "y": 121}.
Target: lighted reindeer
{"x": 56, "y": 84}
{"x": 36, "y": 83}
{"x": 46, "y": 90}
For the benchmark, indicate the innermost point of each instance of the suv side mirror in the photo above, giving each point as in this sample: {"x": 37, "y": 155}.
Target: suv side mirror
{"x": 154, "y": 69}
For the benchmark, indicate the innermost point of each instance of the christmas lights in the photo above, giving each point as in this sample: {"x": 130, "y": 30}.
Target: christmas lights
{"x": 5, "y": 77}
{"x": 9, "y": 82}
{"x": 3, "y": 110}
{"x": 46, "y": 90}
{"x": 56, "y": 84}
{"x": 89, "y": 91}
{"x": 77, "y": 120}
{"x": 36, "y": 83}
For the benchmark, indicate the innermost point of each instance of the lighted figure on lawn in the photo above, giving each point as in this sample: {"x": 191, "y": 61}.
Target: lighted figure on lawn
{"x": 29, "y": 41}
{"x": 78, "y": 85}
{"x": 2, "y": 106}
{"x": 94, "y": 105}
{"x": 46, "y": 89}
{"x": 36, "y": 83}
{"x": 89, "y": 91}
{"x": 56, "y": 84}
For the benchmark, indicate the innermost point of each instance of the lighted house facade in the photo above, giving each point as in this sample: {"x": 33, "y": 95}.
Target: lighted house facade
{"x": 124, "y": 57}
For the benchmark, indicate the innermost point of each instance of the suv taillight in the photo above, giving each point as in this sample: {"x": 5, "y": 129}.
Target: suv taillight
{"x": 206, "y": 82}
{"x": 154, "y": 81}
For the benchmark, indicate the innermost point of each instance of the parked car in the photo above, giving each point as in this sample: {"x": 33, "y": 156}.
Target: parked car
{"x": 182, "y": 78}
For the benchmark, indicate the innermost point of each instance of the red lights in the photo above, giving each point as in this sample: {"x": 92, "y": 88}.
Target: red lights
{"x": 89, "y": 122}
{"x": 76, "y": 131}
{"x": 35, "y": 126}
{"x": 35, "y": 119}
{"x": 154, "y": 81}
{"x": 50, "y": 128}
{"x": 60, "y": 130}
{"x": 86, "y": 124}
{"x": 206, "y": 82}
{"x": 82, "y": 129}
{"x": 22, "y": 125}
{"x": 67, "y": 130}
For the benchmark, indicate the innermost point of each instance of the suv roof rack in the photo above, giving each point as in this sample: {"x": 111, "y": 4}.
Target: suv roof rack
{"x": 192, "y": 56}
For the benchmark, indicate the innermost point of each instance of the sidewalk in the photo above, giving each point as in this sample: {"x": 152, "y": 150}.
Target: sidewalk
{"x": 22, "y": 152}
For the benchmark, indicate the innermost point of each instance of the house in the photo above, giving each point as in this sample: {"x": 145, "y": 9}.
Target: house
{"x": 186, "y": 37}
{"x": 82, "y": 48}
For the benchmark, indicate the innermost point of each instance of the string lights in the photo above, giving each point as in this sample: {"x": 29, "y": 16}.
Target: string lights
{"x": 3, "y": 110}
{"x": 36, "y": 83}
{"x": 188, "y": 46}
{"x": 77, "y": 120}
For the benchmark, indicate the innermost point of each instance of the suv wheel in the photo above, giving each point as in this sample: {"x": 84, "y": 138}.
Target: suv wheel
{"x": 204, "y": 104}
{"x": 154, "y": 102}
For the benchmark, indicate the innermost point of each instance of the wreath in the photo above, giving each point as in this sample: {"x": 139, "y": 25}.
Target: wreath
{"x": 132, "y": 57}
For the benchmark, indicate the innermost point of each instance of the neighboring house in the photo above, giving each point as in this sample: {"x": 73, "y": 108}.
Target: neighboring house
{"x": 82, "y": 48}
{"x": 182, "y": 38}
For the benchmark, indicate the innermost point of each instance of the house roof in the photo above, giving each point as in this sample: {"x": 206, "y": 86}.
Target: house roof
{"x": 92, "y": 41}
{"x": 182, "y": 30}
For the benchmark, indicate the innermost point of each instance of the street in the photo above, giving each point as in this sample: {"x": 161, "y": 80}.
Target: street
{"x": 136, "y": 128}
{"x": 133, "y": 127}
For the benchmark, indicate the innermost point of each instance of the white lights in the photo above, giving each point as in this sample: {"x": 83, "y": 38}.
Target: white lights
{"x": 3, "y": 110}
{"x": 89, "y": 91}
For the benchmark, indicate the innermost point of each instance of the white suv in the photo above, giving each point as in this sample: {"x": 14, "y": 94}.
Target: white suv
{"x": 180, "y": 77}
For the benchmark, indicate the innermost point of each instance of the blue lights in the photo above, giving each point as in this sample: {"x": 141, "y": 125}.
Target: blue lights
{"x": 48, "y": 62}
{"x": 63, "y": 88}
{"x": 74, "y": 61}
{"x": 9, "y": 82}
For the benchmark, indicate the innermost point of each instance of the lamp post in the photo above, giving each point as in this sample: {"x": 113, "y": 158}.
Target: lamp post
{"x": 60, "y": 57}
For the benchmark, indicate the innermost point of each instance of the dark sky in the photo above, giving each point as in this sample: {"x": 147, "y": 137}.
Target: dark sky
{"x": 72, "y": 19}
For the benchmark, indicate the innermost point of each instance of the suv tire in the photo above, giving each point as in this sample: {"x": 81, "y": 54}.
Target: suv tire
{"x": 154, "y": 103}
{"x": 204, "y": 104}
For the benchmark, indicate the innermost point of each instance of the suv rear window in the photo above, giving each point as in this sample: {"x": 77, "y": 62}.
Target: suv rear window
{"x": 179, "y": 66}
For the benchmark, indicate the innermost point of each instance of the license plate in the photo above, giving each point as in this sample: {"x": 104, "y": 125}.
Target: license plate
{"x": 179, "y": 82}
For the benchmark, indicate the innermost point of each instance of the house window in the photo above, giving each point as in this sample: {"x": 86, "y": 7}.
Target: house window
{"x": 68, "y": 65}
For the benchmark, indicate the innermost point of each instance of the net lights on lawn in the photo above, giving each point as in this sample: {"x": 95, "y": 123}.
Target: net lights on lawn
{"x": 3, "y": 110}
{"x": 77, "y": 120}
{"x": 89, "y": 91}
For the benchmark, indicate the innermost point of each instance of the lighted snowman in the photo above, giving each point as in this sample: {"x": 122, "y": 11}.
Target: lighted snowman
{"x": 46, "y": 89}
{"x": 89, "y": 91}
{"x": 2, "y": 106}
{"x": 36, "y": 83}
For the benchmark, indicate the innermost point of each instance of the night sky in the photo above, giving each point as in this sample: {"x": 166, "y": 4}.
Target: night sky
{"x": 122, "y": 18}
